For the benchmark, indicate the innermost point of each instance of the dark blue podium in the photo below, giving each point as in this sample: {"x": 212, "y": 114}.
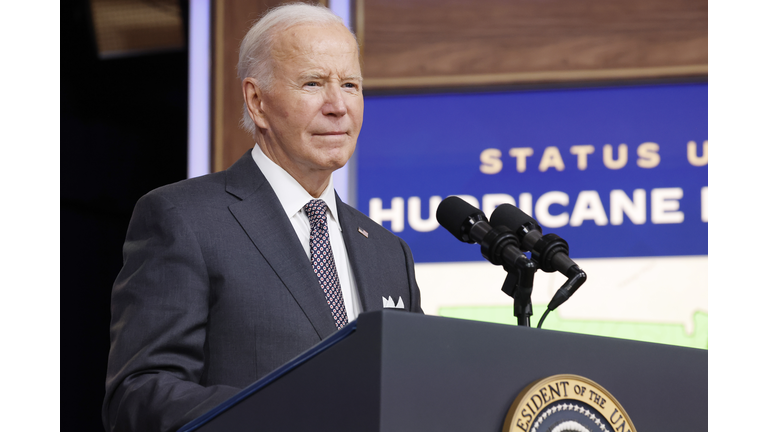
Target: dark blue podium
{"x": 395, "y": 371}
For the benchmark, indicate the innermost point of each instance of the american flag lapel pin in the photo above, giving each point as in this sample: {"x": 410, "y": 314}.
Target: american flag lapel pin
{"x": 362, "y": 231}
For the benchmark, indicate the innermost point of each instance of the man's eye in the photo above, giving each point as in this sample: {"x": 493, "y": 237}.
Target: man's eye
{"x": 311, "y": 84}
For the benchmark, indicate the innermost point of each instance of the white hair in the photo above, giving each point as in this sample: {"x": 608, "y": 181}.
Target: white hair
{"x": 256, "y": 48}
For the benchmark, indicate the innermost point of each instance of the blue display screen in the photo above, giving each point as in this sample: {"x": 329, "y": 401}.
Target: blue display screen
{"x": 616, "y": 172}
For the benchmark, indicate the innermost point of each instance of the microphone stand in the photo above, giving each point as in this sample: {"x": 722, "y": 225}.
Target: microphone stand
{"x": 519, "y": 285}
{"x": 499, "y": 246}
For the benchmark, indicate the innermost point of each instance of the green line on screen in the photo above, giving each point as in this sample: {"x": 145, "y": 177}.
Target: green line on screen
{"x": 666, "y": 333}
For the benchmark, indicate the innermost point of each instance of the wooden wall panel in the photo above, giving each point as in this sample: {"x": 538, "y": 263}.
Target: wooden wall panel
{"x": 412, "y": 44}
{"x": 231, "y": 21}
{"x": 422, "y": 43}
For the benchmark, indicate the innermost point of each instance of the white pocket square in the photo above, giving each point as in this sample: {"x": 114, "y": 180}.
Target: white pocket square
{"x": 389, "y": 303}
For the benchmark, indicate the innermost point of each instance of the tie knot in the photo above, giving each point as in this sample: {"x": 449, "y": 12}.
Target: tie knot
{"x": 315, "y": 210}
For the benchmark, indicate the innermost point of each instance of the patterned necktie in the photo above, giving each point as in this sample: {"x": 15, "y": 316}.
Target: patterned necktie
{"x": 323, "y": 263}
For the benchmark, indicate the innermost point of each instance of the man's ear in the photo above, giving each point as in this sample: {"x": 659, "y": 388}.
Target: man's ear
{"x": 254, "y": 100}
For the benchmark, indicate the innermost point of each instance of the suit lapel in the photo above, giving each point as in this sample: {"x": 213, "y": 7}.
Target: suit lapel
{"x": 262, "y": 217}
{"x": 361, "y": 252}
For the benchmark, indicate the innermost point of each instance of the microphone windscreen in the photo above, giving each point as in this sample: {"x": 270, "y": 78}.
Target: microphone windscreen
{"x": 453, "y": 212}
{"x": 511, "y": 217}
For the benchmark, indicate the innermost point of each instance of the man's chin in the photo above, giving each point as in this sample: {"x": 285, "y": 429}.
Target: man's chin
{"x": 336, "y": 158}
{"x": 335, "y": 164}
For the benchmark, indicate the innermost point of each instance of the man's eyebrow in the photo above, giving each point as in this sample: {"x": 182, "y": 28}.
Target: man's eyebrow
{"x": 314, "y": 75}
{"x": 319, "y": 75}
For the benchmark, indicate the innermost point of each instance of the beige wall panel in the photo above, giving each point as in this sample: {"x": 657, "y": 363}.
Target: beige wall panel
{"x": 424, "y": 43}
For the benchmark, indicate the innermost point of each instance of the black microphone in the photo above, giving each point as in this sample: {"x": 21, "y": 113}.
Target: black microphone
{"x": 499, "y": 245}
{"x": 467, "y": 223}
{"x": 549, "y": 251}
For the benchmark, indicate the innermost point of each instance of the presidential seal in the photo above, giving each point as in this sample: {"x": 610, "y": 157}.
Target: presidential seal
{"x": 566, "y": 403}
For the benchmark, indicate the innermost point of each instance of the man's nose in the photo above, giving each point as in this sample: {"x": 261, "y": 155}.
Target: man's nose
{"x": 334, "y": 102}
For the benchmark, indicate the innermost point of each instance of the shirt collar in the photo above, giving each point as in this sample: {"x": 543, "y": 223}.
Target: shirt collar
{"x": 291, "y": 194}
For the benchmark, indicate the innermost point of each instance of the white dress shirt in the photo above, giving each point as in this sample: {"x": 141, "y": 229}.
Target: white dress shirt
{"x": 293, "y": 197}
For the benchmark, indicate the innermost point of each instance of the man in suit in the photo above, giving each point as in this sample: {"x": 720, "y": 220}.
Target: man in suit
{"x": 230, "y": 275}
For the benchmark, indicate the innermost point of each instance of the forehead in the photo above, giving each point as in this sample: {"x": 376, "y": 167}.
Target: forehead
{"x": 313, "y": 45}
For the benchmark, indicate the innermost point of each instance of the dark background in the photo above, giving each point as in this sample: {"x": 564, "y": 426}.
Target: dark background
{"x": 123, "y": 133}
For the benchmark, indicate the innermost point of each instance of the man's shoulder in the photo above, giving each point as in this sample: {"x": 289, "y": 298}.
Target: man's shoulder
{"x": 192, "y": 186}
{"x": 196, "y": 190}
{"x": 240, "y": 179}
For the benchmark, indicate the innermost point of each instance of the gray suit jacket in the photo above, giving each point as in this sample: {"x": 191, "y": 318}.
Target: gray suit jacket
{"x": 216, "y": 291}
